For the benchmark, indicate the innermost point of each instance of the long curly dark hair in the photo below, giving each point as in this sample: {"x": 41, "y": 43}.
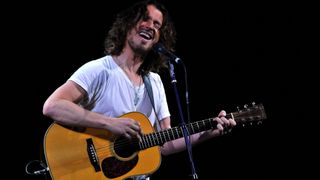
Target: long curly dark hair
{"x": 126, "y": 20}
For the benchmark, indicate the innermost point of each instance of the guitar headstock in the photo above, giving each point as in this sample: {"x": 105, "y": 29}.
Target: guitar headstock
{"x": 250, "y": 114}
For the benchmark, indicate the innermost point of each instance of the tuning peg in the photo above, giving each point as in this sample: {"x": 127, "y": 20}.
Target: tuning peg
{"x": 253, "y": 103}
{"x": 238, "y": 108}
{"x": 245, "y": 106}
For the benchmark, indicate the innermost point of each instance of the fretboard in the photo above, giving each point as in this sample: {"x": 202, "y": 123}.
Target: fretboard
{"x": 159, "y": 138}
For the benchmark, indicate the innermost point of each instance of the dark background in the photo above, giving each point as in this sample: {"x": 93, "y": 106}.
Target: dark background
{"x": 234, "y": 54}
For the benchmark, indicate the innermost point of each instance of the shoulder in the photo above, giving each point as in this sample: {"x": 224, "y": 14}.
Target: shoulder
{"x": 154, "y": 77}
{"x": 92, "y": 70}
{"x": 103, "y": 62}
{"x": 97, "y": 66}
{"x": 156, "y": 80}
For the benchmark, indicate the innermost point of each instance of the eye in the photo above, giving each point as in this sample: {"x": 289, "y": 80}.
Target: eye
{"x": 145, "y": 17}
{"x": 157, "y": 25}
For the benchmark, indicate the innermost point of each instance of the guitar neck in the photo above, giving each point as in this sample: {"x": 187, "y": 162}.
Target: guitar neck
{"x": 252, "y": 114}
{"x": 159, "y": 138}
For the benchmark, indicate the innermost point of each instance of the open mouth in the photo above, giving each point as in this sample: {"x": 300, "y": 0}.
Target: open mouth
{"x": 147, "y": 34}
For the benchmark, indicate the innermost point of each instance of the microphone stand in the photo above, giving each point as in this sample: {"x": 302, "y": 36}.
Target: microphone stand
{"x": 185, "y": 131}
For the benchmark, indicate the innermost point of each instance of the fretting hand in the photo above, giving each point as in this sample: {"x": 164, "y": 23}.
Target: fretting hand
{"x": 224, "y": 125}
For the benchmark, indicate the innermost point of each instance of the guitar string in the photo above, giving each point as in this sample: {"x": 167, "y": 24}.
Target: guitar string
{"x": 125, "y": 142}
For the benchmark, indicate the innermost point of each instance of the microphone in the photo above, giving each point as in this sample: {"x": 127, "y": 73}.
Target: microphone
{"x": 159, "y": 48}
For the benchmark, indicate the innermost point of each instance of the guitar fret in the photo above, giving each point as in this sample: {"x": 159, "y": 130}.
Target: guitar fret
{"x": 210, "y": 121}
{"x": 161, "y": 140}
{"x": 207, "y": 124}
{"x": 156, "y": 136}
{"x": 149, "y": 138}
{"x": 177, "y": 132}
{"x": 152, "y": 137}
{"x": 204, "y": 125}
{"x": 181, "y": 131}
{"x": 192, "y": 128}
{"x": 198, "y": 126}
{"x": 187, "y": 126}
{"x": 172, "y": 132}
{"x": 141, "y": 144}
{"x": 164, "y": 137}
{"x": 168, "y": 135}
{"x": 147, "y": 141}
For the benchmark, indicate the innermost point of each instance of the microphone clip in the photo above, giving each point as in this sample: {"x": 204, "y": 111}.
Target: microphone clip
{"x": 159, "y": 48}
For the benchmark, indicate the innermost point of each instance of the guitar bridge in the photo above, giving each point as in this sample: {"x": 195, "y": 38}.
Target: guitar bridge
{"x": 91, "y": 150}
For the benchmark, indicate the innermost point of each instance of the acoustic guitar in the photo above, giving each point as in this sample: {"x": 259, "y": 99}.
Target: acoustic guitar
{"x": 95, "y": 154}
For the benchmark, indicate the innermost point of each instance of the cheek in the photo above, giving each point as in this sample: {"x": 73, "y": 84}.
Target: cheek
{"x": 157, "y": 36}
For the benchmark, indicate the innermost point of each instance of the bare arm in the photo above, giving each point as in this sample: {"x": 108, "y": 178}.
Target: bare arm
{"x": 61, "y": 106}
{"x": 178, "y": 145}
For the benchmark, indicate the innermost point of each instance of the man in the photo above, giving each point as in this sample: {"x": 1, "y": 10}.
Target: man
{"x": 102, "y": 90}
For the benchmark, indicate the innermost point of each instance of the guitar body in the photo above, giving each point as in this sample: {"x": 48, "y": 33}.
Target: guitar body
{"x": 94, "y": 154}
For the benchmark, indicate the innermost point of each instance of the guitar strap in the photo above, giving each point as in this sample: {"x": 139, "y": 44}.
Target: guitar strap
{"x": 146, "y": 80}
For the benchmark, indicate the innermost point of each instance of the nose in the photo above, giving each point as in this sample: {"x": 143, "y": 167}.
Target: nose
{"x": 150, "y": 24}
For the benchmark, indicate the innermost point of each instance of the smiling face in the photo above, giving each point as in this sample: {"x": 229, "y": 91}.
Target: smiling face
{"x": 147, "y": 31}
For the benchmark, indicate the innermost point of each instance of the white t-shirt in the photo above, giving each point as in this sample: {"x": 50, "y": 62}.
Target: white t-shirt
{"x": 110, "y": 91}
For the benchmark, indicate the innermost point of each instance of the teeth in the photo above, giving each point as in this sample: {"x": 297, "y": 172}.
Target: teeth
{"x": 145, "y": 34}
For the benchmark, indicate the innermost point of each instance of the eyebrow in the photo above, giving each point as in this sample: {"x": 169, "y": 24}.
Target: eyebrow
{"x": 154, "y": 20}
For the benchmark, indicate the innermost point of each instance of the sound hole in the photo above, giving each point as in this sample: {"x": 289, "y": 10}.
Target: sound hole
{"x": 125, "y": 148}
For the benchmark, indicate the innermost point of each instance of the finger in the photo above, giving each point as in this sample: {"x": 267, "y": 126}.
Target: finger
{"x": 220, "y": 127}
{"x": 139, "y": 137}
{"x": 219, "y": 121}
{"x": 132, "y": 132}
{"x": 226, "y": 122}
{"x": 232, "y": 122}
{"x": 135, "y": 125}
{"x": 222, "y": 113}
{"x": 136, "y": 122}
{"x": 126, "y": 135}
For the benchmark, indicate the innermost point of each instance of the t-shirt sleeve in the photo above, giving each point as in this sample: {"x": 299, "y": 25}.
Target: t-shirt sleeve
{"x": 86, "y": 74}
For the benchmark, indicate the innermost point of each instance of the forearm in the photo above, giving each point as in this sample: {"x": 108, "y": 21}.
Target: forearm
{"x": 69, "y": 113}
{"x": 179, "y": 145}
